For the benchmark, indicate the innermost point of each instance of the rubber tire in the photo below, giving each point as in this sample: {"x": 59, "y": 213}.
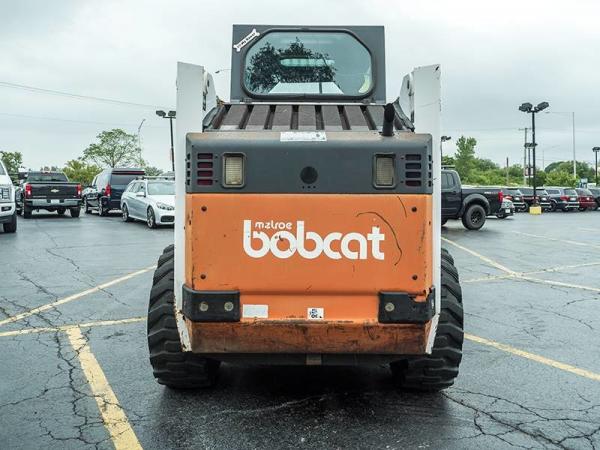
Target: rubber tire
{"x": 171, "y": 366}
{"x": 61, "y": 212}
{"x": 101, "y": 211}
{"x": 439, "y": 370}
{"x": 125, "y": 213}
{"x": 149, "y": 214}
{"x": 75, "y": 212}
{"x": 444, "y": 221}
{"x": 552, "y": 207}
{"x": 466, "y": 217}
{"x": 27, "y": 212}
{"x": 11, "y": 226}
{"x": 86, "y": 207}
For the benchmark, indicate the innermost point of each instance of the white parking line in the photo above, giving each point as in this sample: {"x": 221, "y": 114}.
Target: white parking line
{"x": 100, "y": 323}
{"x": 70, "y": 298}
{"x": 566, "y": 241}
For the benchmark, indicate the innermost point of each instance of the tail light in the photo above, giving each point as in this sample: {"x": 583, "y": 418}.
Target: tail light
{"x": 28, "y": 193}
{"x": 564, "y": 198}
{"x": 508, "y": 197}
{"x": 107, "y": 190}
{"x": 233, "y": 170}
{"x": 384, "y": 171}
{"x": 501, "y": 196}
{"x": 78, "y": 190}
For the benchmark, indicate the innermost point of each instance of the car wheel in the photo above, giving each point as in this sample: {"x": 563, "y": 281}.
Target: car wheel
{"x": 75, "y": 212}
{"x": 11, "y": 226}
{"x": 474, "y": 217}
{"x": 171, "y": 366}
{"x": 582, "y": 209}
{"x": 151, "y": 218}
{"x": 86, "y": 207}
{"x": 439, "y": 369}
{"x": 61, "y": 211}
{"x": 125, "y": 213}
{"x": 552, "y": 207}
{"x": 27, "y": 212}
{"x": 102, "y": 211}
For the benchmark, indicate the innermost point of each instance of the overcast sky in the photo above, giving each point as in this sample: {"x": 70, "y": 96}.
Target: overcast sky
{"x": 494, "y": 56}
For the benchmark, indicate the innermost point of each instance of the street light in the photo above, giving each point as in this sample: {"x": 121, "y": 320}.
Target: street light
{"x": 444, "y": 139}
{"x": 530, "y": 109}
{"x": 596, "y": 150}
{"x": 170, "y": 115}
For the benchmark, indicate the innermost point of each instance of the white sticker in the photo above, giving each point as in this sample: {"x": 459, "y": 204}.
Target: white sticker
{"x": 315, "y": 314}
{"x": 240, "y": 45}
{"x": 299, "y": 136}
{"x": 255, "y": 311}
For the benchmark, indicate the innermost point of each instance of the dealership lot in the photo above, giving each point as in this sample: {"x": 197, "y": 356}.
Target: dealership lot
{"x": 75, "y": 369}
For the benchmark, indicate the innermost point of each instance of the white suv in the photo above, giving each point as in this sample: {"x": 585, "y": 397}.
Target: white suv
{"x": 8, "y": 208}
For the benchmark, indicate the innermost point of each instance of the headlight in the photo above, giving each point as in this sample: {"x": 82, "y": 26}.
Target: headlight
{"x": 164, "y": 206}
{"x": 6, "y": 193}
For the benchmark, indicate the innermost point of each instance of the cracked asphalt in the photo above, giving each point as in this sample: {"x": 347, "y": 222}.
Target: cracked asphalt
{"x": 530, "y": 284}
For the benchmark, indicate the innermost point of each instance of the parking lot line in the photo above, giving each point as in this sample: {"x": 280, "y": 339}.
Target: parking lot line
{"x": 566, "y": 241}
{"x": 77, "y": 296}
{"x": 483, "y": 258}
{"x": 114, "y": 417}
{"x": 532, "y": 356}
{"x": 526, "y": 275}
{"x": 100, "y": 323}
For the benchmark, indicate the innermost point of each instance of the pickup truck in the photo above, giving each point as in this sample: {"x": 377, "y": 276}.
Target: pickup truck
{"x": 50, "y": 191}
{"x": 8, "y": 210}
{"x": 470, "y": 204}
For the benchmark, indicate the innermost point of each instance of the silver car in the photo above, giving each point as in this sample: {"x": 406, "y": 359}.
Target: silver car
{"x": 151, "y": 199}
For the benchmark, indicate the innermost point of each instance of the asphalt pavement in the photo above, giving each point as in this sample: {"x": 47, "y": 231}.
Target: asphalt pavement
{"x": 74, "y": 369}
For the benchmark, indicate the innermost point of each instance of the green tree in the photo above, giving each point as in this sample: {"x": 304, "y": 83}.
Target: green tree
{"x": 152, "y": 171}
{"x": 560, "y": 178}
{"x": 12, "y": 161}
{"x": 583, "y": 169}
{"x": 448, "y": 161}
{"x": 115, "y": 148}
{"x": 81, "y": 172}
{"x": 465, "y": 156}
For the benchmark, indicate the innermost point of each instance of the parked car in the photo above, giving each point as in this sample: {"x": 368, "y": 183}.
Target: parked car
{"x": 586, "y": 199}
{"x": 516, "y": 196}
{"x": 596, "y": 193}
{"x": 562, "y": 199}
{"x": 506, "y": 210}
{"x": 50, "y": 191}
{"x": 151, "y": 199}
{"x": 470, "y": 204}
{"x": 541, "y": 196}
{"x": 8, "y": 206}
{"x": 107, "y": 188}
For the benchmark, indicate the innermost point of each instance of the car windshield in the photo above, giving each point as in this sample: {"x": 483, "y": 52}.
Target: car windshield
{"x": 47, "y": 177}
{"x": 161, "y": 188}
{"x": 584, "y": 192}
{"x": 311, "y": 63}
{"x": 570, "y": 192}
{"x": 527, "y": 191}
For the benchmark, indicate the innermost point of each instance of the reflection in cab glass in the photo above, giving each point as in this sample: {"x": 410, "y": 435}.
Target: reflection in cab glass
{"x": 310, "y": 63}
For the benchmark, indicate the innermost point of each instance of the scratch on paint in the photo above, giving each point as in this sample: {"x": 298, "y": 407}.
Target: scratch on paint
{"x": 391, "y": 229}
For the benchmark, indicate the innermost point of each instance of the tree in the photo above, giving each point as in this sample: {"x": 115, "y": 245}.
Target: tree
{"x": 448, "y": 161}
{"x": 583, "y": 169}
{"x": 12, "y": 160}
{"x": 81, "y": 172}
{"x": 465, "y": 156}
{"x": 152, "y": 171}
{"x": 115, "y": 148}
{"x": 560, "y": 178}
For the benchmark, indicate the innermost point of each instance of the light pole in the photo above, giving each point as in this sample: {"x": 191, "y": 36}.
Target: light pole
{"x": 139, "y": 129}
{"x": 171, "y": 115}
{"x": 444, "y": 139}
{"x": 596, "y": 150}
{"x": 530, "y": 109}
{"x": 525, "y": 165}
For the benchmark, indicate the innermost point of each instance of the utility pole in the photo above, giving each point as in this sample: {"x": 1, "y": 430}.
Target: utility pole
{"x": 170, "y": 115}
{"x": 596, "y": 150}
{"x": 574, "y": 158}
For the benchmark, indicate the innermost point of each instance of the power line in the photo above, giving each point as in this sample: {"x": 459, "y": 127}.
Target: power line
{"x": 77, "y": 96}
{"x": 23, "y": 116}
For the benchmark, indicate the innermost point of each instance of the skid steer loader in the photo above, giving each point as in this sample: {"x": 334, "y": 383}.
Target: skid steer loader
{"x": 307, "y": 225}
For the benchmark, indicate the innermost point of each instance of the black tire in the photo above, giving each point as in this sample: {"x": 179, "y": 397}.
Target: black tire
{"x": 474, "y": 217}
{"x": 438, "y": 370}
{"x": 171, "y": 366}
{"x": 444, "y": 221}
{"x": 150, "y": 218}
{"x": 75, "y": 212}
{"x": 101, "y": 210}
{"x": 61, "y": 211}
{"x": 552, "y": 207}
{"x": 11, "y": 226}
{"x": 86, "y": 207}
{"x": 27, "y": 212}
{"x": 125, "y": 213}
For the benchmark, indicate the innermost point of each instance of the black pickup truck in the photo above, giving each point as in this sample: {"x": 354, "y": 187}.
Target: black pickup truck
{"x": 51, "y": 191}
{"x": 470, "y": 204}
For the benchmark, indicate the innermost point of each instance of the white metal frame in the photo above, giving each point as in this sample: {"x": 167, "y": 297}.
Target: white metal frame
{"x": 195, "y": 97}
{"x": 424, "y": 98}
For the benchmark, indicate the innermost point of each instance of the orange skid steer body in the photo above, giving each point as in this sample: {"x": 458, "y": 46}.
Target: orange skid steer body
{"x": 334, "y": 259}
